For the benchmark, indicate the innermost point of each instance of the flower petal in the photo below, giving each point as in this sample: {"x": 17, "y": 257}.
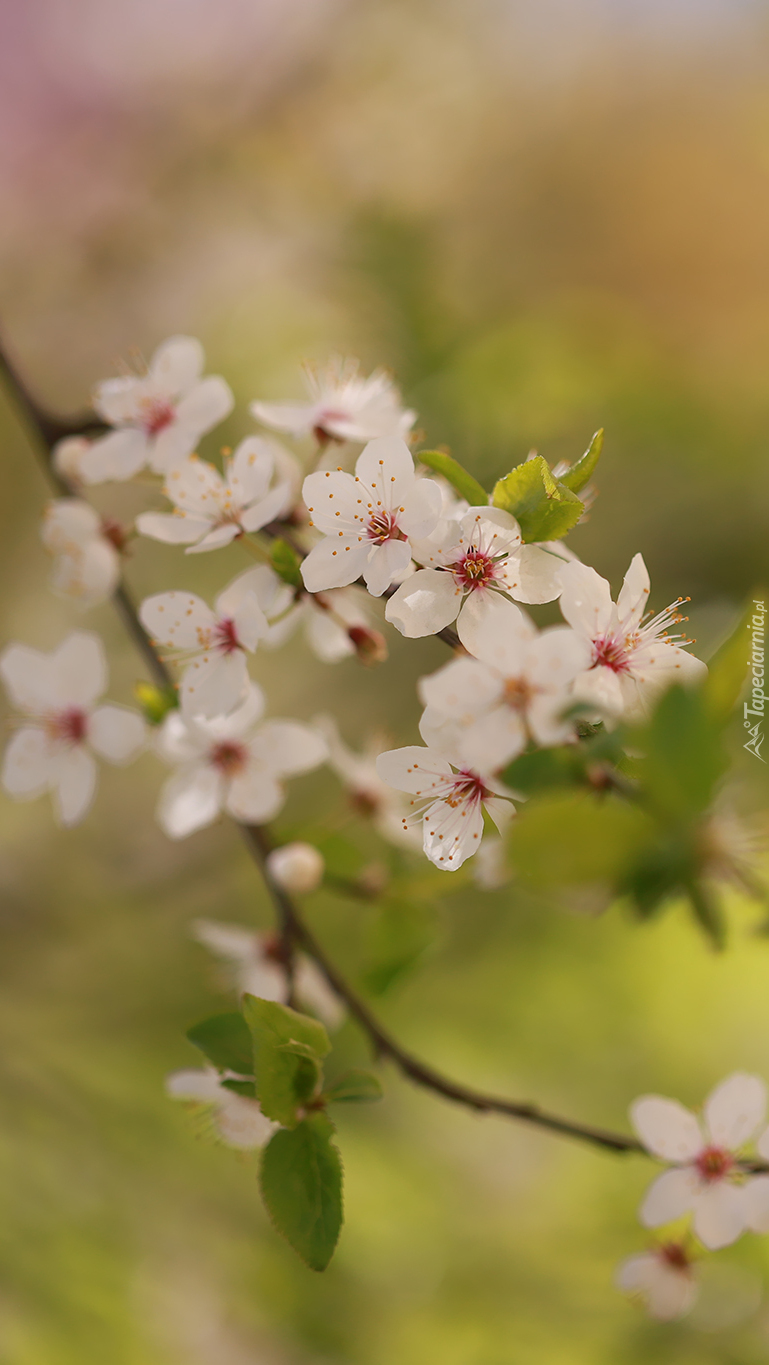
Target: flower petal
{"x": 666, "y": 1128}
{"x": 215, "y": 540}
{"x": 285, "y": 747}
{"x": 295, "y": 418}
{"x": 452, "y": 833}
{"x": 190, "y": 800}
{"x": 756, "y": 1196}
{"x": 335, "y": 562}
{"x": 668, "y": 1291}
{"x": 195, "y": 1084}
{"x": 172, "y": 528}
{"x": 90, "y": 575}
{"x": 117, "y": 456}
{"x": 422, "y": 507}
{"x": 585, "y": 599}
{"x": 735, "y": 1110}
{"x": 327, "y": 639}
{"x": 335, "y": 501}
{"x": 177, "y": 364}
{"x": 214, "y": 685}
{"x": 271, "y": 506}
{"x": 242, "y": 1124}
{"x": 670, "y": 1196}
{"x": 427, "y": 602}
{"x": 27, "y": 764}
{"x": 177, "y": 619}
{"x": 29, "y": 678}
{"x": 314, "y": 993}
{"x": 197, "y": 487}
{"x": 255, "y": 796}
{"x": 720, "y": 1215}
{"x": 499, "y": 634}
{"x": 250, "y": 469}
{"x": 74, "y": 783}
{"x": 386, "y": 467}
{"x": 413, "y": 769}
{"x": 205, "y": 405}
{"x": 79, "y": 670}
{"x": 116, "y": 733}
{"x": 633, "y": 595}
{"x": 67, "y": 521}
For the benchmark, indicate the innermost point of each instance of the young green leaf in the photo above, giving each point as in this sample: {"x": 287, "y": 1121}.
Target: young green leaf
{"x": 683, "y": 754}
{"x": 286, "y": 563}
{"x": 728, "y": 669}
{"x": 225, "y": 1040}
{"x": 288, "y": 1048}
{"x": 544, "y": 508}
{"x": 354, "y": 1086}
{"x": 156, "y": 702}
{"x": 301, "y": 1184}
{"x": 581, "y": 473}
{"x": 466, "y": 486}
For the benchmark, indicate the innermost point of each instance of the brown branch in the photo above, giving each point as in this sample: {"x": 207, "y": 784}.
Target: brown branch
{"x": 48, "y": 430}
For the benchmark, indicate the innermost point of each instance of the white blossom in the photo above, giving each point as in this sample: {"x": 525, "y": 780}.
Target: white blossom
{"x": 467, "y": 567}
{"x": 367, "y": 518}
{"x": 705, "y": 1177}
{"x": 632, "y": 662}
{"x": 67, "y": 458}
{"x": 327, "y": 619}
{"x": 343, "y": 406}
{"x": 296, "y": 867}
{"x": 62, "y": 727}
{"x": 485, "y": 709}
{"x": 239, "y": 1121}
{"x": 664, "y": 1278}
{"x": 211, "y": 642}
{"x": 210, "y": 510}
{"x": 255, "y": 966}
{"x": 449, "y": 804}
{"x": 369, "y": 794}
{"x": 86, "y": 560}
{"x": 159, "y": 416}
{"x": 231, "y": 763}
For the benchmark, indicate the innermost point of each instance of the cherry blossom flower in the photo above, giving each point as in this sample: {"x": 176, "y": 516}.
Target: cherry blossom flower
{"x": 664, "y": 1278}
{"x": 369, "y": 794}
{"x": 296, "y": 867}
{"x": 367, "y": 518}
{"x": 231, "y": 763}
{"x": 631, "y": 662}
{"x": 67, "y": 458}
{"x": 449, "y": 804}
{"x": 85, "y": 549}
{"x": 343, "y": 406}
{"x": 486, "y": 709}
{"x": 62, "y": 728}
{"x": 256, "y": 966}
{"x": 472, "y": 564}
{"x": 705, "y": 1177}
{"x": 213, "y": 643}
{"x": 158, "y": 417}
{"x": 330, "y": 621}
{"x": 239, "y": 1121}
{"x": 211, "y": 510}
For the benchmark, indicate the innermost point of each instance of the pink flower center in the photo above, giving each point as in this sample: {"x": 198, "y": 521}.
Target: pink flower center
{"x": 69, "y": 727}
{"x": 230, "y": 758}
{"x": 226, "y": 636}
{"x": 467, "y": 788}
{"x": 714, "y": 1163}
{"x": 157, "y": 414}
{"x": 674, "y": 1254}
{"x": 474, "y": 570}
{"x": 382, "y": 526}
{"x": 610, "y": 653}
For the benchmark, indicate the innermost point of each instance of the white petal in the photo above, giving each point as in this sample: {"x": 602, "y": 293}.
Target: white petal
{"x": 634, "y": 595}
{"x": 74, "y": 780}
{"x": 27, "y": 765}
{"x": 195, "y": 1084}
{"x": 117, "y": 400}
{"x": 68, "y": 520}
{"x": 461, "y": 690}
{"x": 670, "y": 1196}
{"x": 233, "y": 942}
{"x": 600, "y": 687}
{"x": 295, "y": 418}
{"x": 67, "y": 457}
{"x": 669, "y": 1292}
{"x": 335, "y": 501}
{"x": 177, "y": 619}
{"x": 116, "y": 733}
{"x": 286, "y": 747}
{"x": 208, "y": 403}
{"x": 585, "y": 599}
{"x": 386, "y": 466}
{"x": 499, "y": 635}
{"x": 239, "y": 723}
{"x": 79, "y": 670}
{"x": 335, "y": 562}
{"x": 172, "y": 447}
{"x": 197, "y": 487}
{"x": 215, "y": 540}
{"x": 452, "y": 833}
{"x": 255, "y": 796}
{"x": 762, "y": 1146}
{"x": 241, "y": 1122}
{"x": 735, "y": 1110}
{"x": 427, "y": 602}
{"x": 261, "y": 513}
{"x": 720, "y": 1215}
{"x": 29, "y": 678}
{"x": 90, "y": 575}
{"x": 172, "y": 528}
{"x": 213, "y": 685}
{"x": 177, "y": 364}
{"x": 487, "y": 743}
{"x": 413, "y": 769}
{"x": 533, "y": 575}
{"x": 327, "y": 639}
{"x": 115, "y": 457}
{"x": 756, "y": 1197}
{"x": 178, "y": 740}
{"x": 191, "y": 799}
{"x": 250, "y": 469}
{"x": 422, "y": 506}
{"x": 314, "y": 993}
{"x": 666, "y": 1128}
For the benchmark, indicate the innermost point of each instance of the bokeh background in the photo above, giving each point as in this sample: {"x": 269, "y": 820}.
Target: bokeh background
{"x": 545, "y": 217}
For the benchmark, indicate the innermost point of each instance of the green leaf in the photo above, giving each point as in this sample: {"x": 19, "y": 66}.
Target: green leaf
{"x": 286, "y": 563}
{"x": 288, "y": 1048}
{"x": 245, "y": 1088}
{"x": 355, "y": 1086}
{"x": 707, "y": 912}
{"x": 466, "y": 486}
{"x": 301, "y": 1184}
{"x": 683, "y": 754}
{"x": 728, "y": 669}
{"x": 544, "y": 508}
{"x": 581, "y": 473}
{"x": 225, "y": 1040}
{"x": 156, "y": 702}
{"x": 398, "y": 937}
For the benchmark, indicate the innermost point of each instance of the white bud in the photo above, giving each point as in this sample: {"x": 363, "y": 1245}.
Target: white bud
{"x": 68, "y": 455}
{"x": 296, "y": 867}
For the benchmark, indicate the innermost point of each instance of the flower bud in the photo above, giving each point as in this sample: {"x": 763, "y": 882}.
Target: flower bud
{"x": 370, "y": 645}
{"x": 296, "y": 867}
{"x": 67, "y": 458}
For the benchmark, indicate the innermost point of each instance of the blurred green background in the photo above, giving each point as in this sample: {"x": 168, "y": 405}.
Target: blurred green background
{"x": 545, "y": 217}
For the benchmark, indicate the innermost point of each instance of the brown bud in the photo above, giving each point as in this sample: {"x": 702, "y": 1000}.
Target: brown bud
{"x": 370, "y": 645}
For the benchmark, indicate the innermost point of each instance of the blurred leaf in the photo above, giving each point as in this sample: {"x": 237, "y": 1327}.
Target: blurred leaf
{"x": 341, "y": 857}
{"x": 707, "y": 912}
{"x": 301, "y": 1184}
{"x": 660, "y": 870}
{"x": 225, "y": 1040}
{"x": 683, "y": 754}
{"x": 245, "y": 1088}
{"x": 286, "y": 563}
{"x": 466, "y": 486}
{"x": 399, "y": 935}
{"x": 288, "y": 1048}
{"x": 156, "y": 702}
{"x": 580, "y": 473}
{"x": 544, "y": 508}
{"x": 728, "y": 669}
{"x": 355, "y": 1086}
{"x": 541, "y": 769}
